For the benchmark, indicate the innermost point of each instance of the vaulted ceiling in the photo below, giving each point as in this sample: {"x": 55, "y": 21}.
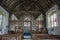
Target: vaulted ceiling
{"x": 31, "y": 7}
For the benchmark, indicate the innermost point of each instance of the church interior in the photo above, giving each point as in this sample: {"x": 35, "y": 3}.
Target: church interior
{"x": 29, "y": 19}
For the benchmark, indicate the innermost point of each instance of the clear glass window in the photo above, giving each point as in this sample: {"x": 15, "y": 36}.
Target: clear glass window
{"x": 52, "y": 20}
{"x": 1, "y": 25}
{"x": 0, "y": 20}
{"x": 27, "y": 24}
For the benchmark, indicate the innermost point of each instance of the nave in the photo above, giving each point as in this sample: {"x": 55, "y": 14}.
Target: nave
{"x": 29, "y": 19}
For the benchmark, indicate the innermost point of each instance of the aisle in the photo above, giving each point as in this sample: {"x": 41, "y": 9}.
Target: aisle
{"x": 27, "y": 39}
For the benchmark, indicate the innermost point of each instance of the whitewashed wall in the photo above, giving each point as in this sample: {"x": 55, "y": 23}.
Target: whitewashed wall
{"x": 56, "y": 29}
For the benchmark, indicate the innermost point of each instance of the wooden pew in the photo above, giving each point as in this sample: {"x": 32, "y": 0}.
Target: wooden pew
{"x": 11, "y": 37}
{"x": 45, "y": 37}
{"x": 0, "y": 37}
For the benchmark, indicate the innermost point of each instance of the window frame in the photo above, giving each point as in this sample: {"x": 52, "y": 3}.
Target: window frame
{"x": 1, "y": 23}
{"x": 49, "y": 18}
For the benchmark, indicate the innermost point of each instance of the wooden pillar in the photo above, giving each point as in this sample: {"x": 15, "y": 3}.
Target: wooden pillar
{"x": 44, "y": 30}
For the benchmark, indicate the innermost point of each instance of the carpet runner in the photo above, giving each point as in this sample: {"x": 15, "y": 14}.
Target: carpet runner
{"x": 27, "y": 36}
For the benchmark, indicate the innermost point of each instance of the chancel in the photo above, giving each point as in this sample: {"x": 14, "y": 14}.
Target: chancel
{"x": 29, "y": 19}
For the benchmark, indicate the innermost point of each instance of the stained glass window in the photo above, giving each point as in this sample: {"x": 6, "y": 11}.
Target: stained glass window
{"x": 52, "y": 20}
{"x": 27, "y": 24}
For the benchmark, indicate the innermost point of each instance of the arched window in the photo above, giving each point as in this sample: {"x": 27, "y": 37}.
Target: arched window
{"x": 52, "y": 19}
{"x": 13, "y": 17}
{"x": 28, "y": 23}
{"x": 4, "y": 15}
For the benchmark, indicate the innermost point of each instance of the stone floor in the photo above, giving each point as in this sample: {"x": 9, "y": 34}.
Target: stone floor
{"x": 27, "y": 39}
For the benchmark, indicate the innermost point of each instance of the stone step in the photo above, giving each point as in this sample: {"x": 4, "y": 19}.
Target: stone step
{"x": 28, "y": 37}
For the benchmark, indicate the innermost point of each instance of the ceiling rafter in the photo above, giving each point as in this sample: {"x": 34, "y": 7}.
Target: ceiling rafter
{"x": 27, "y": 6}
{"x": 44, "y": 4}
{"x": 12, "y": 3}
{"x": 34, "y": 13}
{"x": 49, "y": 1}
{"x": 3, "y": 1}
{"x": 12, "y": 7}
{"x": 8, "y": 2}
{"x": 52, "y": 1}
{"x": 19, "y": 4}
{"x": 37, "y": 3}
